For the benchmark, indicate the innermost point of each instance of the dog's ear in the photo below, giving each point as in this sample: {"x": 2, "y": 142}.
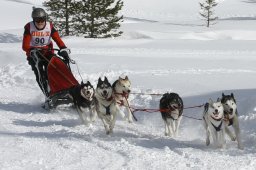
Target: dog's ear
{"x": 99, "y": 80}
{"x": 120, "y": 78}
{"x": 223, "y": 94}
{"x": 126, "y": 78}
{"x": 105, "y": 79}
{"x": 210, "y": 102}
{"x": 218, "y": 100}
{"x": 89, "y": 83}
{"x": 82, "y": 82}
{"x": 232, "y": 95}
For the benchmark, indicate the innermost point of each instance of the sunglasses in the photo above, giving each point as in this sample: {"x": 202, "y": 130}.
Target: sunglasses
{"x": 40, "y": 20}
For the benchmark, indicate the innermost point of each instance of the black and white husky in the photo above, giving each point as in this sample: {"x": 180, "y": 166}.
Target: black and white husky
{"x": 171, "y": 108}
{"x": 231, "y": 118}
{"x": 106, "y": 105}
{"x": 213, "y": 116}
{"x": 83, "y": 97}
{"x": 122, "y": 89}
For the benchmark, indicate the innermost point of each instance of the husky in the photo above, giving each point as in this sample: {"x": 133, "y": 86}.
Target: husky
{"x": 106, "y": 105}
{"x": 231, "y": 118}
{"x": 213, "y": 116}
{"x": 83, "y": 97}
{"x": 171, "y": 108}
{"x": 122, "y": 89}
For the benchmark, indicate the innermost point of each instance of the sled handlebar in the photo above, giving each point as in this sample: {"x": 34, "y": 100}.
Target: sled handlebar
{"x": 50, "y": 49}
{"x": 44, "y": 49}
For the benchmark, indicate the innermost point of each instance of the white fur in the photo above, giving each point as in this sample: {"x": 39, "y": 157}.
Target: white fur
{"x": 213, "y": 117}
{"x": 230, "y": 107}
{"x": 106, "y": 99}
{"x": 122, "y": 89}
{"x": 88, "y": 94}
{"x": 172, "y": 125}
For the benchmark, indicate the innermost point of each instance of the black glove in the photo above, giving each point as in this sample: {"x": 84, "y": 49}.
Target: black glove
{"x": 65, "y": 54}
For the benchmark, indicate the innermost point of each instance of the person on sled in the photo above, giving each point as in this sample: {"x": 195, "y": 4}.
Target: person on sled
{"x": 37, "y": 35}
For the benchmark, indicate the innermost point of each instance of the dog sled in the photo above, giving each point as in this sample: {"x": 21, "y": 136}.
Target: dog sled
{"x": 59, "y": 78}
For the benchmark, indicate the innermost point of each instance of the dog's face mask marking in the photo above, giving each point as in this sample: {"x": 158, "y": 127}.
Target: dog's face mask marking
{"x": 175, "y": 106}
{"x": 173, "y": 103}
{"x": 229, "y": 104}
{"x": 216, "y": 109}
{"x": 125, "y": 85}
{"x": 87, "y": 91}
{"x": 104, "y": 88}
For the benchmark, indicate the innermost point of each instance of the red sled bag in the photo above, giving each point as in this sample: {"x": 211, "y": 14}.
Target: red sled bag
{"x": 59, "y": 76}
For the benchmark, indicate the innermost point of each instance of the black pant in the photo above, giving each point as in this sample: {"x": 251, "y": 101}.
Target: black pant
{"x": 40, "y": 72}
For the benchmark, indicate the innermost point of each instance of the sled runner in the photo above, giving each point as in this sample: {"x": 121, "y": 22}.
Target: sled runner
{"x": 58, "y": 80}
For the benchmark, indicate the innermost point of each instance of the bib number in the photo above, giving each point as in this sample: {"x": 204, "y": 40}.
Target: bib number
{"x": 39, "y": 41}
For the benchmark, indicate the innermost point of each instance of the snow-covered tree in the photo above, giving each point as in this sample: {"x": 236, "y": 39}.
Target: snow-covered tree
{"x": 207, "y": 11}
{"x": 98, "y": 18}
{"x": 61, "y": 12}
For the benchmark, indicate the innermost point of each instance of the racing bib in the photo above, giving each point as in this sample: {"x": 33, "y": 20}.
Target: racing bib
{"x": 40, "y": 38}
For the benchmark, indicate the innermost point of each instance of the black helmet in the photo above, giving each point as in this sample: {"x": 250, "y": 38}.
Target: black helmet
{"x": 39, "y": 13}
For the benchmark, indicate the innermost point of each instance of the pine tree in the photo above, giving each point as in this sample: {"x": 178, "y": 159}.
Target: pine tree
{"x": 61, "y": 12}
{"x": 207, "y": 11}
{"x": 98, "y": 18}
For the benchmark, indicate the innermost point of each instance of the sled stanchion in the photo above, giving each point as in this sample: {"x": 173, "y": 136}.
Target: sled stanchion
{"x": 64, "y": 76}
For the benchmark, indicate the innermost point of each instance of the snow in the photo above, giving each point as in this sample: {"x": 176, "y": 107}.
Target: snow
{"x": 164, "y": 48}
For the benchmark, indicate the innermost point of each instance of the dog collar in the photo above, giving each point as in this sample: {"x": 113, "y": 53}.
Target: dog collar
{"x": 109, "y": 99}
{"x": 216, "y": 119}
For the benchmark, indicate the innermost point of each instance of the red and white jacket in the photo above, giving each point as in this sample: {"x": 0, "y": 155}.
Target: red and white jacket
{"x": 35, "y": 38}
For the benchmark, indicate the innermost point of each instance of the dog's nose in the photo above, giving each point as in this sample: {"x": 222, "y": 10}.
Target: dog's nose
{"x": 129, "y": 91}
{"x": 216, "y": 110}
{"x": 231, "y": 110}
{"x": 88, "y": 92}
{"x": 104, "y": 92}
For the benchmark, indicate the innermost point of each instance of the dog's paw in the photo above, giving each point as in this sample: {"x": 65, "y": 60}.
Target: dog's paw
{"x": 233, "y": 138}
{"x": 130, "y": 120}
{"x": 240, "y": 147}
{"x": 207, "y": 142}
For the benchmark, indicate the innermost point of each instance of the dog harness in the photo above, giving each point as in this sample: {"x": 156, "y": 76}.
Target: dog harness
{"x": 107, "y": 109}
{"x": 217, "y": 128}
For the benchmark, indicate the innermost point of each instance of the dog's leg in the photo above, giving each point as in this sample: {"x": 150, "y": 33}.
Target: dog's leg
{"x": 177, "y": 126}
{"x": 207, "y": 132}
{"x": 214, "y": 134}
{"x": 122, "y": 114}
{"x": 229, "y": 133}
{"x": 80, "y": 113}
{"x": 238, "y": 133}
{"x": 166, "y": 132}
{"x": 112, "y": 124}
{"x": 173, "y": 122}
{"x": 93, "y": 114}
{"x": 105, "y": 123}
{"x": 169, "y": 126}
{"x": 221, "y": 138}
{"x": 129, "y": 116}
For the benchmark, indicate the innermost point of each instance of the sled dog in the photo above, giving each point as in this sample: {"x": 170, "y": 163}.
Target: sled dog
{"x": 214, "y": 124}
{"x": 171, "y": 108}
{"x": 122, "y": 89}
{"x": 231, "y": 117}
{"x": 106, "y": 105}
{"x": 83, "y": 97}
